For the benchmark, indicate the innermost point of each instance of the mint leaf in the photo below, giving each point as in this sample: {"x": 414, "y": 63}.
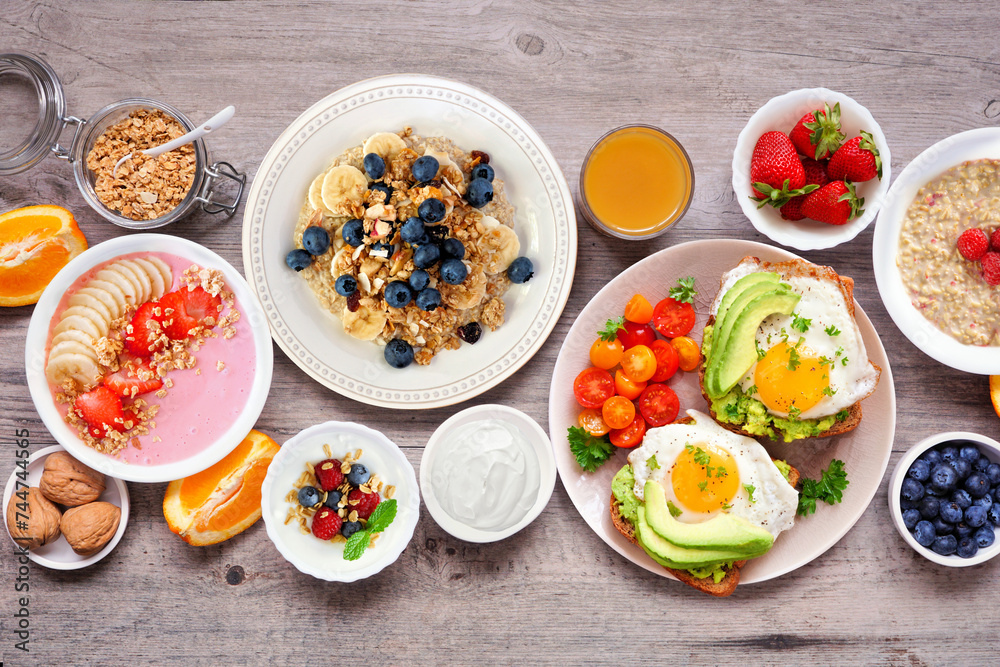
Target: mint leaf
{"x": 383, "y": 515}
{"x": 356, "y": 545}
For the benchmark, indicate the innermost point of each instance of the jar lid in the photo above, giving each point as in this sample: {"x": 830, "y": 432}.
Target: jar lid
{"x": 29, "y": 135}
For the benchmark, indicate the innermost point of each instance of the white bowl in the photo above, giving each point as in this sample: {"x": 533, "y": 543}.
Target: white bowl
{"x": 540, "y": 444}
{"x": 988, "y": 447}
{"x": 59, "y": 555}
{"x": 322, "y": 559}
{"x": 782, "y": 113}
{"x": 35, "y": 356}
{"x": 980, "y": 144}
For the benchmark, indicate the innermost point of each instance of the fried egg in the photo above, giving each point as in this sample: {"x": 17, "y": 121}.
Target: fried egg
{"x": 705, "y": 470}
{"x": 812, "y": 363}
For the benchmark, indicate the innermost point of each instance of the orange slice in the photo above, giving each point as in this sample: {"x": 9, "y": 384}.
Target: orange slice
{"x": 35, "y": 243}
{"x": 995, "y": 393}
{"x": 224, "y": 500}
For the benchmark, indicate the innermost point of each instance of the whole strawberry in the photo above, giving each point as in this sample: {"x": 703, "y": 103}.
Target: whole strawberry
{"x": 776, "y": 172}
{"x": 817, "y": 134}
{"x": 326, "y": 523}
{"x": 815, "y": 172}
{"x": 857, "y": 160}
{"x": 793, "y": 209}
{"x": 835, "y": 203}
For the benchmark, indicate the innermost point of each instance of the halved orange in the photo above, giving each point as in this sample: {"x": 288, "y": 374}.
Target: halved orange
{"x": 995, "y": 393}
{"x": 35, "y": 243}
{"x": 224, "y": 500}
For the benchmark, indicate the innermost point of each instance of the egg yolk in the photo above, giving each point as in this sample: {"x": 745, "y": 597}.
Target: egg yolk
{"x": 704, "y": 477}
{"x": 790, "y": 377}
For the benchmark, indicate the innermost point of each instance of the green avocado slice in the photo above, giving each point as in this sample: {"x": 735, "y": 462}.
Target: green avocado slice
{"x": 672, "y": 556}
{"x": 738, "y": 288}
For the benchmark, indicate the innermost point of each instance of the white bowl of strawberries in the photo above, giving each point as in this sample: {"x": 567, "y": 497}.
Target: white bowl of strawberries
{"x": 827, "y": 201}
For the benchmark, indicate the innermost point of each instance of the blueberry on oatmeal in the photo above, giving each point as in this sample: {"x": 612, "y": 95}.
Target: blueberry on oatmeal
{"x": 432, "y": 210}
{"x": 398, "y": 353}
{"x": 520, "y": 270}
{"x": 315, "y": 240}
{"x": 426, "y": 256}
{"x": 419, "y": 279}
{"x": 479, "y": 193}
{"x": 346, "y": 285}
{"x": 428, "y": 299}
{"x": 374, "y": 166}
{"x": 425, "y": 168}
{"x": 298, "y": 259}
{"x": 453, "y": 248}
{"x": 453, "y": 271}
{"x": 353, "y": 232}
{"x": 398, "y": 294}
{"x": 412, "y": 230}
{"x": 482, "y": 170}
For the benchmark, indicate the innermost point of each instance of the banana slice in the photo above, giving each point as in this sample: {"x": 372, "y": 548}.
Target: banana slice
{"x": 127, "y": 267}
{"x": 468, "y": 294}
{"x": 364, "y": 323}
{"x": 165, "y": 272}
{"x": 72, "y": 346}
{"x": 386, "y": 144}
{"x": 316, "y": 192}
{"x": 125, "y": 285}
{"x": 499, "y": 244}
{"x": 156, "y": 286}
{"x": 74, "y": 335}
{"x": 72, "y": 365}
{"x": 341, "y": 185}
{"x": 85, "y": 319}
{"x": 116, "y": 294}
{"x": 98, "y": 300}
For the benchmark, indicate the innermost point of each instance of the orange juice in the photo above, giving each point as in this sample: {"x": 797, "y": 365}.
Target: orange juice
{"x": 636, "y": 182}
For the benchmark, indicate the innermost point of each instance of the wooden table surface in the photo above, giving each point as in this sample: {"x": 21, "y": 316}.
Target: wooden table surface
{"x": 554, "y": 593}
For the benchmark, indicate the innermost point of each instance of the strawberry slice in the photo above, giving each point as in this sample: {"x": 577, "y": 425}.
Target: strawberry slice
{"x": 145, "y": 336}
{"x": 189, "y": 310}
{"x": 129, "y": 382}
{"x": 101, "y": 409}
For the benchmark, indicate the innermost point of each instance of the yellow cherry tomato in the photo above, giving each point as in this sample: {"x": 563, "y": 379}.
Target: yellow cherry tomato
{"x": 688, "y": 354}
{"x": 618, "y": 412}
{"x": 639, "y": 363}
{"x": 591, "y": 421}
{"x": 626, "y": 387}
{"x": 638, "y": 310}
{"x": 606, "y": 353}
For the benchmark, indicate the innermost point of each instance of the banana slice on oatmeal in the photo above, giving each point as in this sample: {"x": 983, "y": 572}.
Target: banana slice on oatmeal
{"x": 315, "y": 196}
{"x": 385, "y": 144}
{"x": 499, "y": 244}
{"x": 365, "y": 323}
{"x": 342, "y": 185}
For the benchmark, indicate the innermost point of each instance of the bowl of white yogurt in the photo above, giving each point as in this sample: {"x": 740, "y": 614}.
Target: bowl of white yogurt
{"x": 487, "y": 472}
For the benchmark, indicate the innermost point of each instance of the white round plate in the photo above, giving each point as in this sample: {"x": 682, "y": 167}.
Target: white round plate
{"x": 980, "y": 144}
{"x": 35, "y": 352}
{"x": 381, "y": 456}
{"x": 865, "y": 451}
{"x": 314, "y": 338}
{"x": 59, "y": 555}
{"x": 782, "y": 113}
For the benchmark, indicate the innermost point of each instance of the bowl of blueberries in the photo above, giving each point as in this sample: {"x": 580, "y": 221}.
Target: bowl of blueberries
{"x": 944, "y": 497}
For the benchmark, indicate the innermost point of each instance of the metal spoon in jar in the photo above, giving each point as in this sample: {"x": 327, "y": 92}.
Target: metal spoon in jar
{"x": 213, "y": 123}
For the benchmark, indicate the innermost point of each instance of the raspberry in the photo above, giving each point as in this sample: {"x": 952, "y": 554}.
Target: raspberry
{"x": 328, "y": 474}
{"x": 973, "y": 243}
{"x": 363, "y": 503}
{"x": 991, "y": 268}
{"x": 326, "y": 523}
{"x": 995, "y": 240}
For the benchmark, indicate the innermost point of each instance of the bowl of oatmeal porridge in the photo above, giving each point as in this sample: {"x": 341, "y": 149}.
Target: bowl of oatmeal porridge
{"x": 938, "y": 299}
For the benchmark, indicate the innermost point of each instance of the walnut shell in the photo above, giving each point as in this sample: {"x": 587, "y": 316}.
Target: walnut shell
{"x": 36, "y": 525}
{"x": 89, "y": 527}
{"x": 68, "y": 482}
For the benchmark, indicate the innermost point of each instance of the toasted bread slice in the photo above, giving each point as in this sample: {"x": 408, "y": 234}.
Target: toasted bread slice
{"x": 801, "y": 268}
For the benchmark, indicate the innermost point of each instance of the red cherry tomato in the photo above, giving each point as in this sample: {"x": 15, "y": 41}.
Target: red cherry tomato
{"x": 666, "y": 360}
{"x": 639, "y": 363}
{"x": 592, "y": 387}
{"x": 631, "y": 435}
{"x": 636, "y": 334}
{"x": 658, "y": 404}
{"x": 618, "y": 412}
{"x": 673, "y": 318}
{"x": 591, "y": 421}
{"x": 627, "y": 387}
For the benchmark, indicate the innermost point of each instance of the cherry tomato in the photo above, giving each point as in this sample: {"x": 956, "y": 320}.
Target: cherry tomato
{"x": 636, "y": 334}
{"x": 626, "y": 387}
{"x": 673, "y": 318}
{"x": 606, "y": 353}
{"x": 666, "y": 361}
{"x": 638, "y": 310}
{"x": 618, "y": 412}
{"x": 658, "y": 404}
{"x": 591, "y": 421}
{"x": 639, "y": 363}
{"x": 592, "y": 387}
{"x": 631, "y": 435}
{"x": 688, "y": 354}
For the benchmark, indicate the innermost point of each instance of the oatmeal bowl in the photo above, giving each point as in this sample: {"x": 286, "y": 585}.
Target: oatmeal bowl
{"x": 946, "y": 300}
{"x": 412, "y": 241}
{"x": 147, "y": 358}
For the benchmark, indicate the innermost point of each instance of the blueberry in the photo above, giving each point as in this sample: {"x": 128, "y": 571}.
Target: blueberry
{"x": 471, "y": 332}
{"x": 962, "y": 467}
{"x": 969, "y": 452}
{"x": 949, "y": 453}
{"x": 975, "y": 516}
{"x": 967, "y": 547}
{"x": 912, "y": 489}
{"x": 932, "y": 456}
{"x": 428, "y": 299}
{"x": 924, "y": 533}
{"x": 985, "y": 502}
{"x": 426, "y": 256}
{"x": 993, "y": 473}
{"x": 348, "y": 528}
{"x": 374, "y": 165}
{"x": 383, "y": 188}
{"x": 398, "y": 353}
{"x": 424, "y": 168}
{"x": 945, "y": 545}
{"x": 962, "y": 498}
{"x": 412, "y": 230}
{"x": 943, "y": 477}
{"x": 942, "y": 527}
{"x": 996, "y": 494}
{"x": 482, "y": 171}
{"x": 984, "y": 537}
{"x": 920, "y": 470}
{"x": 977, "y": 485}
{"x": 437, "y": 233}
{"x": 905, "y": 504}
{"x": 929, "y": 507}
{"x": 453, "y": 248}
{"x": 398, "y": 294}
{"x": 950, "y": 512}
{"x": 345, "y": 285}
{"x": 359, "y": 473}
{"x": 315, "y": 240}
{"x": 993, "y": 514}
{"x": 332, "y": 498}
{"x": 479, "y": 193}
{"x": 520, "y": 270}
{"x": 910, "y": 518}
{"x": 381, "y": 249}
{"x": 298, "y": 259}
{"x": 981, "y": 464}
{"x": 309, "y": 496}
{"x": 419, "y": 280}
{"x": 353, "y": 232}
{"x": 962, "y": 529}
{"x": 454, "y": 271}
{"x": 431, "y": 210}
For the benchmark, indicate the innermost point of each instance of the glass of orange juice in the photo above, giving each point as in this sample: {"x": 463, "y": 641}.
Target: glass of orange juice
{"x": 636, "y": 182}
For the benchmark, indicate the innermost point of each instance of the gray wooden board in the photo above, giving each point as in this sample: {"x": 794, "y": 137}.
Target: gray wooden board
{"x": 554, "y": 593}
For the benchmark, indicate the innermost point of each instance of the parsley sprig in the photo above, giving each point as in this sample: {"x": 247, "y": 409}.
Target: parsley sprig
{"x": 684, "y": 292}
{"x": 610, "y": 330}
{"x": 590, "y": 451}
{"x": 379, "y": 520}
{"x": 828, "y": 488}
{"x": 801, "y": 323}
